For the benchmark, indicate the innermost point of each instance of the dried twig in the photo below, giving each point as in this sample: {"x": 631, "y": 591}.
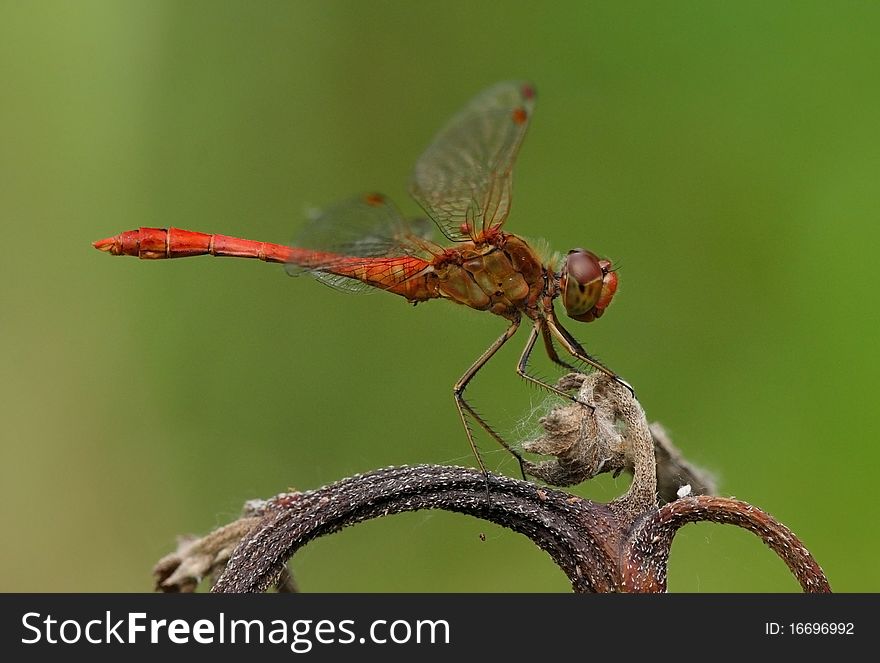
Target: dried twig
{"x": 621, "y": 546}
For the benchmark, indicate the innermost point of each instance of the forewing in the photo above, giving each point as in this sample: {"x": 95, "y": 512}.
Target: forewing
{"x": 463, "y": 179}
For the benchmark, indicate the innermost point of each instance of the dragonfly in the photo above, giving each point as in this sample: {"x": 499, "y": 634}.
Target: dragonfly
{"x": 463, "y": 182}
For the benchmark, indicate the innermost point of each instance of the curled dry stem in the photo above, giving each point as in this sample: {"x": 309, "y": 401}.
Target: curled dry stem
{"x": 622, "y": 546}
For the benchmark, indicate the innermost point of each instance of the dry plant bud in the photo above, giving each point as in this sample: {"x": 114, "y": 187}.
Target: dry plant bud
{"x": 591, "y": 437}
{"x": 197, "y": 558}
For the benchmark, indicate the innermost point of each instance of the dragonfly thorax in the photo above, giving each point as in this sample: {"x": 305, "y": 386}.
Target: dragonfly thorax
{"x": 503, "y": 276}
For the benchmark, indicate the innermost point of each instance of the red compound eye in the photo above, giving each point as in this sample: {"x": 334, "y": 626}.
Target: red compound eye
{"x": 587, "y": 285}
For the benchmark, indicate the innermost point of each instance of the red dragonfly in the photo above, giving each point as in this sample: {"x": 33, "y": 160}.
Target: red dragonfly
{"x": 463, "y": 183}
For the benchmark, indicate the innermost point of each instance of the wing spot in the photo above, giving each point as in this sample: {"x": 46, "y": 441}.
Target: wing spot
{"x": 519, "y": 115}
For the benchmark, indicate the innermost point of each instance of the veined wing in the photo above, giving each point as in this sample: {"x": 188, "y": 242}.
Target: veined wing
{"x": 351, "y": 235}
{"x": 463, "y": 179}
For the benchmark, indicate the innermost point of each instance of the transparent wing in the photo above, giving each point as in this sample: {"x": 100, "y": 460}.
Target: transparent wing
{"x": 463, "y": 179}
{"x": 367, "y": 226}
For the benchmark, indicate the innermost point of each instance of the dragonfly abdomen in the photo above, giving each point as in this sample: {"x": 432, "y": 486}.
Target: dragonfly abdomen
{"x": 407, "y": 276}
{"x": 161, "y": 243}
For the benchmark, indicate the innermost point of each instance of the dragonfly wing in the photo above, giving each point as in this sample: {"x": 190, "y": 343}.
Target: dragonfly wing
{"x": 342, "y": 283}
{"x": 367, "y": 226}
{"x": 463, "y": 179}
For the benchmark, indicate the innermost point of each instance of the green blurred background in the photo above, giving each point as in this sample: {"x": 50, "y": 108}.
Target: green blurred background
{"x": 725, "y": 154}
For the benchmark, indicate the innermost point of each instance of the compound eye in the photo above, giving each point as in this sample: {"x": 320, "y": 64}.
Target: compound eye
{"x": 581, "y": 282}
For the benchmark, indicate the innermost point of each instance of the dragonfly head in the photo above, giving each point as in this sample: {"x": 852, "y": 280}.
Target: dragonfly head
{"x": 587, "y": 284}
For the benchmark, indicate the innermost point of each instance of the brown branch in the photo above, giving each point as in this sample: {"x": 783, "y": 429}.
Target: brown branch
{"x": 647, "y": 551}
{"x": 621, "y": 546}
{"x": 580, "y": 536}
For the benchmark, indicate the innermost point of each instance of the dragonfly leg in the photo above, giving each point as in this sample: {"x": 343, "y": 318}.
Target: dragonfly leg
{"x": 465, "y": 409}
{"x": 551, "y": 350}
{"x": 577, "y": 351}
{"x": 523, "y": 363}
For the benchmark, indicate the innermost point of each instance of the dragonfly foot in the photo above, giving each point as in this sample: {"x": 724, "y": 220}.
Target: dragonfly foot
{"x": 575, "y": 399}
{"x": 486, "y": 481}
{"x": 619, "y": 380}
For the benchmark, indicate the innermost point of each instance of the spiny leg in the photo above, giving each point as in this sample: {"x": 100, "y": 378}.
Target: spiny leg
{"x": 494, "y": 434}
{"x": 464, "y": 407}
{"x": 577, "y": 351}
{"x": 522, "y": 365}
{"x": 551, "y": 350}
